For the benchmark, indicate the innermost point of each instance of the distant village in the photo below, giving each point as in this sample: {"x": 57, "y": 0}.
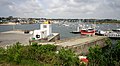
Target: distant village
{"x": 18, "y": 20}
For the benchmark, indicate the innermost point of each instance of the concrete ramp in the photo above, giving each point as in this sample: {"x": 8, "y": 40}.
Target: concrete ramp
{"x": 56, "y": 36}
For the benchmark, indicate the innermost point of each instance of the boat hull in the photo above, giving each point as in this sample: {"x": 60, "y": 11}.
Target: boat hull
{"x": 87, "y": 32}
{"x": 75, "y": 32}
{"x": 116, "y": 30}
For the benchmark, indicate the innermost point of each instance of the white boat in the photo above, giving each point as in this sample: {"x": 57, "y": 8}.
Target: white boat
{"x": 116, "y": 30}
{"x": 100, "y": 32}
{"x": 65, "y": 25}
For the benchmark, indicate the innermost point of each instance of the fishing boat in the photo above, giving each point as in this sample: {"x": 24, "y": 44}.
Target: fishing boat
{"x": 84, "y": 31}
{"x": 87, "y": 31}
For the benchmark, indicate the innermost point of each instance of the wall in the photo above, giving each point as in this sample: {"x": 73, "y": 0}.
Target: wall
{"x": 83, "y": 49}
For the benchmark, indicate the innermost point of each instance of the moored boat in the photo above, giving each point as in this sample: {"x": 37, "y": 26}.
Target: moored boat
{"x": 89, "y": 31}
{"x": 116, "y": 30}
{"x": 84, "y": 31}
{"x": 100, "y": 32}
{"x": 75, "y": 32}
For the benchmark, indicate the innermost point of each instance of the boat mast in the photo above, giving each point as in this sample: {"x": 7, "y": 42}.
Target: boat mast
{"x": 94, "y": 26}
{"x": 13, "y": 27}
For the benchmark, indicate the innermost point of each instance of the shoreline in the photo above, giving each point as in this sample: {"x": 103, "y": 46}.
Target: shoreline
{"x": 8, "y": 24}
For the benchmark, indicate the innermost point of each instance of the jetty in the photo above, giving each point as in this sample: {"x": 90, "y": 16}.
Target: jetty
{"x": 82, "y": 45}
{"x": 113, "y": 35}
{"x": 109, "y": 33}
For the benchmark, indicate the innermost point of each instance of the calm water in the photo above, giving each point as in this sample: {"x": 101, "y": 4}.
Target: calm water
{"x": 63, "y": 30}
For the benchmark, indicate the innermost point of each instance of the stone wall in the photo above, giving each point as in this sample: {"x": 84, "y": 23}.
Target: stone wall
{"x": 83, "y": 49}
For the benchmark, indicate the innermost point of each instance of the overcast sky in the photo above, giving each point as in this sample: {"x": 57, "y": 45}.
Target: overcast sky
{"x": 61, "y": 8}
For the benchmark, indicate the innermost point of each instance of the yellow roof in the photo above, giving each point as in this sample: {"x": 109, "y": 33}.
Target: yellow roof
{"x": 46, "y": 22}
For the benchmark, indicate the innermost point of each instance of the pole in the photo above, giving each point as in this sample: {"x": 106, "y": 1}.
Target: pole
{"x": 13, "y": 27}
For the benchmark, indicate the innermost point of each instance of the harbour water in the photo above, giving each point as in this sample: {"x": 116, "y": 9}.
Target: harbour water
{"x": 59, "y": 28}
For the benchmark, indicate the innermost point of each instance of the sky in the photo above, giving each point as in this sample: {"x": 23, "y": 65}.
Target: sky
{"x": 61, "y": 8}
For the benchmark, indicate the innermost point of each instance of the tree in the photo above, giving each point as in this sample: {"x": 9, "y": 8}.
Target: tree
{"x": 10, "y": 18}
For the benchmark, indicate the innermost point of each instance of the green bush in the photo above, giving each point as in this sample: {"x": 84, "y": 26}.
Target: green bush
{"x": 108, "y": 56}
{"x": 68, "y": 58}
{"x": 37, "y": 55}
{"x": 13, "y": 53}
{"x": 2, "y": 55}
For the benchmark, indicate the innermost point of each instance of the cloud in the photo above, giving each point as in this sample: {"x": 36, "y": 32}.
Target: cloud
{"x": 31, "y": 8}
{"x": 71, "y": 8}
{"x": 61, "y": 8}
{"x": 4, "y": 8}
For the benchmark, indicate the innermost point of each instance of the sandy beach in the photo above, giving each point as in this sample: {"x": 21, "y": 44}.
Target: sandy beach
{"x": 11, "y": 37}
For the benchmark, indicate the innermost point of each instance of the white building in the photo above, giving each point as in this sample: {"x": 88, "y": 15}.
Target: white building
{"x": 44, "y": 32}
{"x": 47, "y": 27}
{"x": 39, "y": 34}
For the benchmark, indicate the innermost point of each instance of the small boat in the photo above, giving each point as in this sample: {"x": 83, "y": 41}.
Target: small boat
{"x": 77, "y": 31}
{"x": 116, "y": 30}
{"x": 66, "y": 25}
{"x": 100, "y": 32}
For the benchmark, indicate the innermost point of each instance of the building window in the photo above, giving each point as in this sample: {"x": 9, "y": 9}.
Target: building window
{"x": 44, "y": 26}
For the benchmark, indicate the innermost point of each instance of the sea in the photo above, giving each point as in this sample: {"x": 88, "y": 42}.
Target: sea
{"x": 59, "y": 28}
